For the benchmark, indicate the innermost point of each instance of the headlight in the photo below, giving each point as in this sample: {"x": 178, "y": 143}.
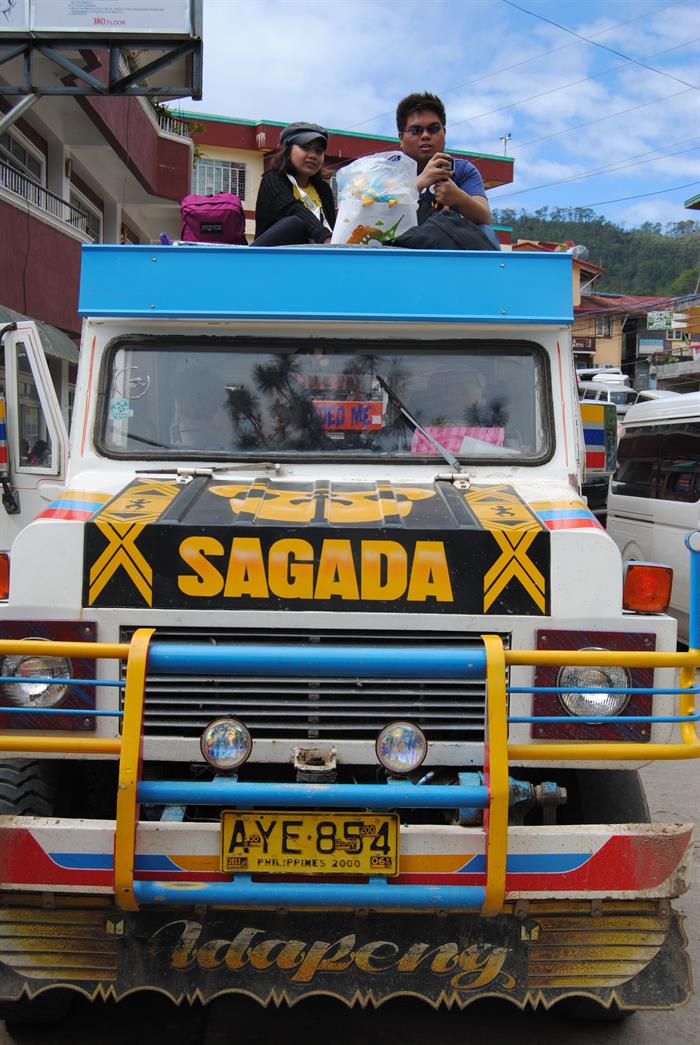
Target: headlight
{"x": 226, "y": 743}
{"x": 599, "y": 679}
{"x": 33, "y": 693}
{"x": 401, "y": 747}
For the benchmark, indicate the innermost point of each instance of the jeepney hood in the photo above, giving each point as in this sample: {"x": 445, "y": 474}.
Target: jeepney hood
{"x": 232, "y": 543}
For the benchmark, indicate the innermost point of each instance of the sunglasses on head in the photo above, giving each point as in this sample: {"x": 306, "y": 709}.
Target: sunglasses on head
{"x": 416, "y": 129}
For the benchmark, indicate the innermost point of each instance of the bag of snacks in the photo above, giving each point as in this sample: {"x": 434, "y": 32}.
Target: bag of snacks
{"x": 377, "y": 199}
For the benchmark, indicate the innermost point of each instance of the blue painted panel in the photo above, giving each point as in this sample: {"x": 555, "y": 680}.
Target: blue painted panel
{"x": 243, "y": 892}
{"x": 318, "y": 661}
{"x": 326, "y": 282}
{"x": 310, "y": 796}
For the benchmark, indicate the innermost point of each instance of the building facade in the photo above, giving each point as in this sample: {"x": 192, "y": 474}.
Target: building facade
{"x": 81, "y": 169}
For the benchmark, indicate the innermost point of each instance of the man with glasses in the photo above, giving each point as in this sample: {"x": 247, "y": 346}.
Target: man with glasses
{"x": 442, "y": 180}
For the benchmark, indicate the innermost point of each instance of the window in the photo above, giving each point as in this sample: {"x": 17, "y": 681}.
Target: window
{"x": 90, "y": 220}
{"x": 21, "y": 158}
{"x": 604, "y": 326}
{"x": 661, "y": 461}
{"x": 34, "y": 441}
{"x": 257, "y": 396}
{"x": 212, "y": 176}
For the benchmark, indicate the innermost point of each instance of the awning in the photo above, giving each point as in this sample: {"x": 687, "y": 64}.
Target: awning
{"x": 54, "y": 342}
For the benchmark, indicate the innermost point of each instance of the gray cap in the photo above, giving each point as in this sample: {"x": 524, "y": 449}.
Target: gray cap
{"x": 302, "y": 134}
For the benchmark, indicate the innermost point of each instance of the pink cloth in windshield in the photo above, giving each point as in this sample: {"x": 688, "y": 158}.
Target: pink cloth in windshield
{"x": 452, "y": 437}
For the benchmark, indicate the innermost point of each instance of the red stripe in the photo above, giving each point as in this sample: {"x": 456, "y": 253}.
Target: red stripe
{"x": 66, "y": 513}
{"x": 595, "y": 459}
{"x": 573, "y": 524}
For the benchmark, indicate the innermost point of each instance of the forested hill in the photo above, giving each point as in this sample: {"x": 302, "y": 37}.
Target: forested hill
{"x": 652, "y": 259}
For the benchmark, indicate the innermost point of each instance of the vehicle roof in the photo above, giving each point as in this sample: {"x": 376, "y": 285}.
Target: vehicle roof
{"x": 685, "y": 405}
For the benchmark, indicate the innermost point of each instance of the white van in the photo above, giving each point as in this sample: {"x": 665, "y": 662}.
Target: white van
{"x": 655, "y": 491}
{"x": 620, "y": 395}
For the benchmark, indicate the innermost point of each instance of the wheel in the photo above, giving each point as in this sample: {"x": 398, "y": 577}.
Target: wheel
{"x": 610, "y": 796}
{"x": 586, "y": 1010}
{"x": 50, "y": 1007}
{"x": 26, "y": 787}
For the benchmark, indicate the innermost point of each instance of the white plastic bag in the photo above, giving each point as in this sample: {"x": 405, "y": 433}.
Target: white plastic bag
{"x": 377, "y": 199}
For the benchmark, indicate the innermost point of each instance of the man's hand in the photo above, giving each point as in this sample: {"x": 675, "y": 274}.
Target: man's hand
{"x": 447, "y": 193}
{"x": 438, "y": 168}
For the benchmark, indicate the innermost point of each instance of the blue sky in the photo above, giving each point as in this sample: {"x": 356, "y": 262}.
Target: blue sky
{"x": 571, "y": 106}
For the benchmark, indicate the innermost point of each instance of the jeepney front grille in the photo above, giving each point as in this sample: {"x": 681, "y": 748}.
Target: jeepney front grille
{"x": 449, "y": 709}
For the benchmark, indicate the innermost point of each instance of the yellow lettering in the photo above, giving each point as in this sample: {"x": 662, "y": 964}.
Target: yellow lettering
{"x": 290, "y": 569}
{"x": 336, "y": 571}
{"x": 246, "y": 570}
{"x": 238, "y": 955}
{"x": 430, "y": 577}
{"x": 393, "y": 584}
{"x": 369, "y": 958}
{"x": 205, "y": 580}
{"x": 442, "y": 959}
{"x": 326, "y": 957}
{"x": 478, "y": 970}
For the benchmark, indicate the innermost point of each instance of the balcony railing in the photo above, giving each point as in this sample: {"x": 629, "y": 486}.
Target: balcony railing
{"x": 174, "y": 126}
{"x": 14, "y": 181}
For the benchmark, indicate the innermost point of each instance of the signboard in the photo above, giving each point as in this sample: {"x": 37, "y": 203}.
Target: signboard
{"x": 586, "y": 343}
{"x": 659, "y": 320}
{"x": 650, "y": 345}
{"x": 154, "y": 17}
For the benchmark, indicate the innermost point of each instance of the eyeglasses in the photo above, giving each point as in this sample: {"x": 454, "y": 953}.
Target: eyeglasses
{"x": 416, "y": 129}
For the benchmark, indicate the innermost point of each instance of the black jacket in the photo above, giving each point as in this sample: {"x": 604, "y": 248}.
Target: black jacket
{"x": 276, "y": 200}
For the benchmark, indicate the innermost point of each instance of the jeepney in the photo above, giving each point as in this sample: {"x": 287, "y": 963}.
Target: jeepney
{"x": 316, "y": 674}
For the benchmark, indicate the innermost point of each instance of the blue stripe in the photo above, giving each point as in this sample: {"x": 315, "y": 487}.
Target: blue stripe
{"x": 532, "y": 863}
{"x": 3, "y": 431}
{"x": 105, "y": 862}
{"x": 78, "y": 506}
{"x": 594, "y": 438}
{"x": 565, "y": 513}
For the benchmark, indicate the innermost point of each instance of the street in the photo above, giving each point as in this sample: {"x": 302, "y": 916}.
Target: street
{"x": 673, "y": 790}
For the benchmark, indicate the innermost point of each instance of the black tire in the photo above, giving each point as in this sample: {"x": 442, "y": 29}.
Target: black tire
{"x": 50, "y": 1007}
{"x": 610, "y": 796}
{"x": 27, "y": 787}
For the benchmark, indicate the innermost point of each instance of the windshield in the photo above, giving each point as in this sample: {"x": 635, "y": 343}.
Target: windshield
{"x": 247, "y": 397}
{"x": 622, "y": 398}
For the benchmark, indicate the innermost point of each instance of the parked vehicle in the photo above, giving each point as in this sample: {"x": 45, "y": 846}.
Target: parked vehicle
{"x": 607, "y": 375}
{"x": 648, "y": 395}
{"x": 654, "y": 495}
{"x": 320, "y": 641}
{"x": 620, "y": 396}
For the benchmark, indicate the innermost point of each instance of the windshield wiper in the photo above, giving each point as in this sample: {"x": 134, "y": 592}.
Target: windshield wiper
{"x": 446, "y": 454}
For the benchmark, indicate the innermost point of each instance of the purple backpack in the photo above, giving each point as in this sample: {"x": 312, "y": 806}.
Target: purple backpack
{"x": 213, "y": 219}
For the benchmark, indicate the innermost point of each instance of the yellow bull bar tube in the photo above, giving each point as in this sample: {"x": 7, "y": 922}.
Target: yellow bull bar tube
{"x": 599, "y": 751}
{"x": 498, "y": 752}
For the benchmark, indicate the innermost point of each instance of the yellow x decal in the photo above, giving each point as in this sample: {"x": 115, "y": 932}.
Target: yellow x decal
{"x": 514, "y": 564}
{"x": 121, "y": 553}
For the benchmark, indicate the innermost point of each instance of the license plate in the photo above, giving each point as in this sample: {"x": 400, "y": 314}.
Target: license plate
{"x": 310, "y": 843}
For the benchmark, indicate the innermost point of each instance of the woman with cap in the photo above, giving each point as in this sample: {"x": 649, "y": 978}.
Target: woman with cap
{"x": 295, "y": 204}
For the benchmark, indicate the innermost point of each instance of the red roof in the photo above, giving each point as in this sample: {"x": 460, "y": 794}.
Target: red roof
{"x": 622, "y": 303}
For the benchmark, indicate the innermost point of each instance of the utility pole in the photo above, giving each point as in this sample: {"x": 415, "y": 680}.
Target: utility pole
{"x": 505, "y": 138}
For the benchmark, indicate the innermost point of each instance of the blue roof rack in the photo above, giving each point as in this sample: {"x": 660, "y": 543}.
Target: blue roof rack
{"x": 339, "y": 283}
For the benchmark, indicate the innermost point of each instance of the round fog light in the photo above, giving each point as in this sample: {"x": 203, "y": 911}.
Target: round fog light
{"x": 226, "y": 743}
{"x": 401, "y": 747}
{"x": 600, "y": 702}
{"x": 35, "y": 690}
